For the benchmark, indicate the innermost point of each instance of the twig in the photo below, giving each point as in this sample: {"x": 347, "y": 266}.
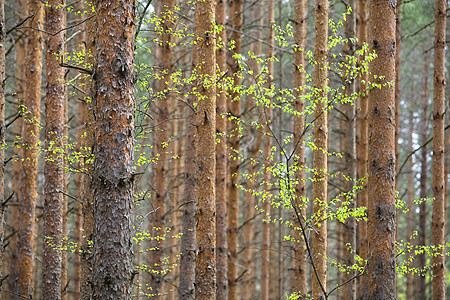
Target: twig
{"x": 81, "y": 69}
{"x": 18, "y": 24}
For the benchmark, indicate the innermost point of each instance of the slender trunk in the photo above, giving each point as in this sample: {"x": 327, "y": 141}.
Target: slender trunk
{"x": 113, "y": 178}
{"x": 410, "y": 215}
{"x": 423, "y": 181}
{"x": 363, "y": 142}
{"x": 298, "y": 278}
{"x": 235, "y": 16}
{"x": 438, "y": 220}
{"x": 266, "y": 225}
{"x": 221, "y": 159}
{"x": 381, "y": 158}
{"x": 350, "y": 156}
{"x": 320, "y": 192}
{"x": 2, "y": 129}
{"x": 54, "y": 163}
{"x": 28, "y": 193}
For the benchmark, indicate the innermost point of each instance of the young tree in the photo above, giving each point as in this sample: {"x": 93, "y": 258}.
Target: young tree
{"x": 32, "y": 106}
{"x": 320, "y": 137}
{"x": 53, "y": 164}
{"x": 205, "y": 48}
{"x": 113, "y": 178}
{"x": 221, "y": 160}
{"x": 381, "y": 157}
{"x": 438, "y": 220}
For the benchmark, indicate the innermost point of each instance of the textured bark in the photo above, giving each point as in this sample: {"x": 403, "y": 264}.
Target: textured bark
{"x": 188, "y": 239}
{"x": 205, "y": 266}
{"x": 87, "y": 196}
{"x": 235, "y": 17}
{"x": 221, "y": 161}
{"x": 350, "y": 156}
{"x": 381, "y": 157}
{"x": 13, "y": 217}
{"x": 298, "y": 278}
{"x": 411, "y": 190}
{"x": 28, "y": 193}
{"x": 438, "y": 220}
{"x": 320, "y": 193}
{"x": 54, "y": 163}
{"x": 362, "y": 149}
{"x": 113, "y": 179}
{"x": 266, "y": 225}
{"x": 422, "y": 284}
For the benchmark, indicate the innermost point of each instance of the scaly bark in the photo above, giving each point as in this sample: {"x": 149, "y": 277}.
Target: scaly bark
{"x": 54, "y": 160}
{"x": 113, "y": 178}
{"x": 221, "y": 160}
{"x": 438, "y": 220}
{"x": 235, "y": 19}
{"x": 298, "y": 280}
{"x": 28, "y": 193}
{"x": 381, "y": 158}
{"x": 320, "y": 193}
{"x": 362, "y": 149}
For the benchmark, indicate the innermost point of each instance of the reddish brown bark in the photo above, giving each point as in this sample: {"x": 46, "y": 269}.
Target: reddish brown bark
{"x": 54, "y": 163}
{"x": 320, "y": 193}
{"x": 113, "y": 178}
{"x": 381, "y": 157}
{"x": 438, "y": 220}
{"x": 28, "y": 193}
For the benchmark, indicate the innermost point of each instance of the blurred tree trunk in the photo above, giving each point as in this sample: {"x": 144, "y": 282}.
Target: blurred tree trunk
{"x": 438, "y": 219}
{"x": 54, "y": 162}
{"x": 28, "y": 193}
{"x": 2, "y": 131}
{"x": 320, "y": 137}
{"x": 381, "y": 183}
{"x": 235, "y": 17}
{"x": 113, "y": 178}
{"x": 411, "y": 190}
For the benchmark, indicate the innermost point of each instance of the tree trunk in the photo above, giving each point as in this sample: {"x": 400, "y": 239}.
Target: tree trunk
{"x": 362, "y": 149}
{"x": 381, "y": 158}
{"x": 411, "y": 190}
{"x": 28, "y": 193}
{"x": 235, "y": 18}
{"x": 299, "y": 282}
{"x": 54, "y": 160}
{"x": 221, "y": 159}
{"x": 320, "y": 193}
{"x": 422, "y": 284}
{"x": 113, "y": 178}
{"x": 2, "y": 129}
{"x": 438, "y": 220}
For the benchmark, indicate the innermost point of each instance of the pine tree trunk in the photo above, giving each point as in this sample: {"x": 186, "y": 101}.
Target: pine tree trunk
{"x": 411, "y": 190}
{"x": 438, "y": 220}
{"x": 113, "y": 178}
{"x": 54, "y": 160}
{"x": 221, "y": 159}
{"x": 235, "y": 16}
{"x": 362, "y": 149}
{"x": 381, "y": 157}
{"x": 299, "y": 282}
{"x": 320, "y": 193}
{"x": 28, "y": 193}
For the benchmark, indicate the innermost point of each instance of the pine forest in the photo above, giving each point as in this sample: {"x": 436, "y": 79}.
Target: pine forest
{"x": 224, "y": 149}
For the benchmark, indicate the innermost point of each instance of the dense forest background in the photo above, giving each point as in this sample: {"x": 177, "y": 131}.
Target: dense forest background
{"x": 261, "y": 193}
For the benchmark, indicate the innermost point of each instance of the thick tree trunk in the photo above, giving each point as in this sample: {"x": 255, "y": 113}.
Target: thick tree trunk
{"x": 54, "y": 160}
{"x": 438, "y": 220}
{"x": 28, "y": 193}
{"x": 235, "y": 16}
{"x": 205, "y": 268}
{"x": 320, "y": 192}
{"x": 362, "y": 149}
{"x": 298, "y": 278}
{"x": 113, "y": 178}
{"x": 381, "y": 159}
{"x": 422, "y": 283}
{"x": 221, "y": 160}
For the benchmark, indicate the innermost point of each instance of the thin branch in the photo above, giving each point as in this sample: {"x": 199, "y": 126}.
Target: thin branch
{"x": 81, "y": 69}
{"x": 18, "y": 24}
{"x": 141, "y": 19}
